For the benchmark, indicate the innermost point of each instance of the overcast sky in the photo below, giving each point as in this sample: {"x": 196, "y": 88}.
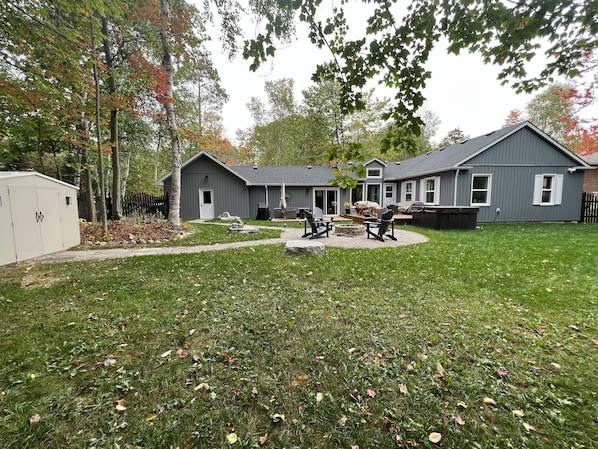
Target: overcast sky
{"x": 463, "y": 92}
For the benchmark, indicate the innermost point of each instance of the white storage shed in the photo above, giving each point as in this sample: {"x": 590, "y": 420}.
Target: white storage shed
{"x": 38, "y": 215}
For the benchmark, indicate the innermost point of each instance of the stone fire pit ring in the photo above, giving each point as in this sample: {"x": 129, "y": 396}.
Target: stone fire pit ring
{"x": 349, "y": 230}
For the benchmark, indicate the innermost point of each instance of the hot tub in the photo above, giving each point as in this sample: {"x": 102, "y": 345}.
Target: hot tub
{"x": 446, "y": 217}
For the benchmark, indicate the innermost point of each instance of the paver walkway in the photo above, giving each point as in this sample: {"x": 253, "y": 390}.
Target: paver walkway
{"x": 404, "y": 237}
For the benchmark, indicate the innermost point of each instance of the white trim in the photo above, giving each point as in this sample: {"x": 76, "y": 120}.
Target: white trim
{"x": 488, "y": 189}
{"x": 556, "y": 189}
{"x": 424, "y": 191}
{"x": 404, "y": 191}
{"x": 393, "y": 198}
{"x": 379, "y": 176}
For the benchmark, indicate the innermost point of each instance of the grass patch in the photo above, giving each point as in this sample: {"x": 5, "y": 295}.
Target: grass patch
{"x": 376, "y": 348}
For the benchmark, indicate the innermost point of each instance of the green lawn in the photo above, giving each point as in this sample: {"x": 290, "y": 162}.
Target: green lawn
{"x": 488, "y": 338}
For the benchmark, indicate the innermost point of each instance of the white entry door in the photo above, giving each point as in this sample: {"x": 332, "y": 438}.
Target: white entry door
{"x": 390, "y": 194}
{"x": 206, "y": 204}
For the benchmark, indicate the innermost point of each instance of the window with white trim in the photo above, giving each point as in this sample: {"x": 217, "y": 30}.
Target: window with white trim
{"x": 408, "y": 191}
{"x": 374, "y": 173}
{"x": 430, "y": 190}
{"x": 548, "y": 190}
{"x": 480, "y": 190}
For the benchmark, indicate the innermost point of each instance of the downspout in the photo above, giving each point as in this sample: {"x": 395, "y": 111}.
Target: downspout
{"x": 266, "y": 187}
{"x": 456, "y": 182}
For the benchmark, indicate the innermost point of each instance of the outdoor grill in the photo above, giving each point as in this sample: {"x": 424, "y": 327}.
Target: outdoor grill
{"x": 263, "y": 213}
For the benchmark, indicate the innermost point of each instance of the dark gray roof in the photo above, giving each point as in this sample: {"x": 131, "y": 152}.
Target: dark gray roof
{"x": 457, "y": 155}
{"x": 290, "y": 175}
{"x": 449, "y": 158}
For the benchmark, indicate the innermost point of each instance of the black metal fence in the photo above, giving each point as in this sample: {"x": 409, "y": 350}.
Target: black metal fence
{"x": 140, "y": 204}
{"x": 589, "y": 208}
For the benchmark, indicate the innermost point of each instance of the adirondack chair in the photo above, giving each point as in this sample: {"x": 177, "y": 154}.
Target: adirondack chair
{"x": 318, "y": 227}
{"x": 378, "y": 228}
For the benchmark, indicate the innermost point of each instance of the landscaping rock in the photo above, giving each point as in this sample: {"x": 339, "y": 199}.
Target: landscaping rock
{"x": 243, "y": 229}
{"x": 305, "y": 247}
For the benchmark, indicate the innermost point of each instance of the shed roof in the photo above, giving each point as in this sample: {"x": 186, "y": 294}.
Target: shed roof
{"x": 22, "y": 174}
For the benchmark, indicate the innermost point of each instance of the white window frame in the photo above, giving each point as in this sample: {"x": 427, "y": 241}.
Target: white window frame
{"x": 374, "y": 170}
{"x": 404, "y": 185}
{"x": 555, "y": 190}
{"x": 436, "y": 192}
{"x": 488, "y": 189}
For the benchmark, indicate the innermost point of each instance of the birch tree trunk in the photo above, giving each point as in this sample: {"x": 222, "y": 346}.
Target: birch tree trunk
{"x": 175, "y": 142}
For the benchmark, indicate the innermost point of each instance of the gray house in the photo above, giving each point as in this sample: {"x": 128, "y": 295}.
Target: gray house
{"x": 514, "y": 174}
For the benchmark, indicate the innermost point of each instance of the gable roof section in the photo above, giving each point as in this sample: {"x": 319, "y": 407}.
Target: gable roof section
{"x": 196, "y": 157}
{"x": 457, "y": 155}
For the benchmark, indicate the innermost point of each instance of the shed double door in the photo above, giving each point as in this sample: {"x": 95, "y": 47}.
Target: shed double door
{"x": 36, "y": 221}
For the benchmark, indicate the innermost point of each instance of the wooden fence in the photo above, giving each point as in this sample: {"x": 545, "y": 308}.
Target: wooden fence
{"x": 589, "y": 208}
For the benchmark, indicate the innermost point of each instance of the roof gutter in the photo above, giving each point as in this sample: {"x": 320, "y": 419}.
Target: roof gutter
{"x": 431, "y": 172}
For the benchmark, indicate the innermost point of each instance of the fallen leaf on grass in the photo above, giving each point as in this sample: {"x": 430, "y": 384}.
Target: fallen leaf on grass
{"x": 109, "y": 362}
{"x": 343, "y": 421}
{"x": 422, "y": 357}
{"x": 121, "y": 408}
{"x": 166, "y": 354}
{"x": 528, "y": 427}
{"x": 489, "y": 401}
{"x": 439, "y": 369}
{"x": 518, "y": 413}
{"x": 263, "y": 439}
{"x": 232, "y": 438}
{"x": 459, "y": 420}
{"x": 182, "y": 354}
{"x": 371, "y": 393}
{"x": 501, "y": 372}
{"x": 319, "y": 397}
{"x": 34, "y": 419}
{"x": 227, "y": 358}
{"x": 151, "y": 417}
{"x": 403, "y": 389}
{"x": 435, "y": 437}
{"x": 277, "y": 418}
{"x": 555, "y": 365}
{"x": 202, "y": 386}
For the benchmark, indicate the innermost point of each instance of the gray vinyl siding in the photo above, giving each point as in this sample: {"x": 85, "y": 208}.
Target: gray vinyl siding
{"x": 513, "y": 164}
{"x": 512, "y": 191}
{"x": 522, "y": 148}
{"x": 230, "y": 192}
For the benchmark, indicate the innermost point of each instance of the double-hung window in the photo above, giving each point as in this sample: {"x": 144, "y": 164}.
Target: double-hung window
{"x": 430, "y": 190}
{"x": 408, "y": 191}
{"x": 480, "y": 190}
{"x": 548, "y": 190}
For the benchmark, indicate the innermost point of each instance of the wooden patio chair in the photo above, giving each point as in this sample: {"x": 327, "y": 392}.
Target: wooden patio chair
{"x": 318, "y": 227}
{"x": 378, "y": 228}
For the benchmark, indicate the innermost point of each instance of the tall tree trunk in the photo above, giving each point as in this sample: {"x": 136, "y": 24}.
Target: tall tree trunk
{"x": 96, "y": 80}
{"x": 175, "y": 142}
{"x": 126, "y": 175}
{"x": 116, "y": 211}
